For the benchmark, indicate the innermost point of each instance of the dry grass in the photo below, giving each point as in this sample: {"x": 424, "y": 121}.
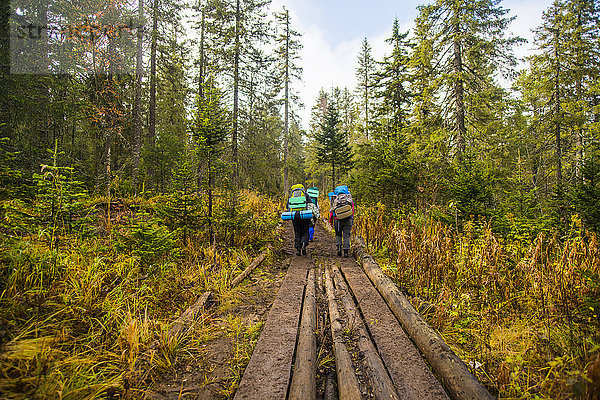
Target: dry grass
{"x": 89, "y": 319}
{"x": 523, "y": 312}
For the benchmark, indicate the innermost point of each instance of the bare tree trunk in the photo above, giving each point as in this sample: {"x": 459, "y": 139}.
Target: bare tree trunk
{"x": 286, "y": 183}
{"x": 137, "y": 121}
{"x": 236, "y": 83}
{"x": 459, "y": 90}
{"x": 579, "y": 94}
{"x": 557, "y": 113}
{"x": 201, "y": 56}
{"x": 152, "y": 110}
{"x": 4, "y": 38}
{"x": 201, "y": 85}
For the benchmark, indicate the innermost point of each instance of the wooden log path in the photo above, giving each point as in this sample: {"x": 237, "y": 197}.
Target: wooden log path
{"x": 383, "y": 349}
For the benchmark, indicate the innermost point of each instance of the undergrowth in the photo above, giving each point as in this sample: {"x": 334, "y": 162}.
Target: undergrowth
{"x": 87, "y": 295}
{"x": 521, "y": 309}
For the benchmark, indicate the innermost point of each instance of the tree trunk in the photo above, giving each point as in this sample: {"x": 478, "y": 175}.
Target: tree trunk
{"x": 580, "y": 99}
{"x": 4, "y": 38}
{"x": 210, "y": 202}
{"x": 236, "y": 83}
{"x": 200, "y": 87}
{"x": 137, "y": 121}
{"x": 333, "y": 174}
{"x": 459, "y": 90}
{"x": 201, "y": 56}
{"x": 557, "y": 114}
{"x": 152, "y": 110}
{"x": 286, "y": 183}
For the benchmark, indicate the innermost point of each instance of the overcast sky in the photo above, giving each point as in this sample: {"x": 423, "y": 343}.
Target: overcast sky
{"x": 333, "y": 31}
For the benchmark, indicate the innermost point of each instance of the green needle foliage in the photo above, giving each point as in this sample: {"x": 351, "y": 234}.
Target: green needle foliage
{"x": 332, "y": 144}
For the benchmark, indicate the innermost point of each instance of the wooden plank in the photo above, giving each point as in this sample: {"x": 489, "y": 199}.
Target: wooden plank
{"x": 255, "y": 263}
{"x": 346, "y": 377}
{"x": 408, "y": 369}
{"x": 188, "y": 316}
{"x": 449, "y": 368}
{"x": 304, "y": 377}
{"x": 383, "y": 387}
{"x": 267, "y": 375}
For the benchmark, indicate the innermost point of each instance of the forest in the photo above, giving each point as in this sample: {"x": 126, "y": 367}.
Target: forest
{"x": 148, "y": 147}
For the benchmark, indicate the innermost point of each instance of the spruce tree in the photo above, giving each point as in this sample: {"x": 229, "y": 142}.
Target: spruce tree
{"x": 287, "y": 56}
{"x": 332, "y": 144}
{"x": 471, "y": 48}
{"x": 209, "y": 131}
{"x": 392, "y": 87}
{"x": 560, "y": 90}
{"x": 242, "y": 28}
{"x": 365, "y": 90}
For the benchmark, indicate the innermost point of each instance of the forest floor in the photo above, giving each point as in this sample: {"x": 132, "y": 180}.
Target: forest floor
{"x": 214, "y": 377}
{"x": 226, "y": 353}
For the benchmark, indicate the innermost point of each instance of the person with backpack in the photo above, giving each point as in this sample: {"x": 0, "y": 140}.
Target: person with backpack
{"x": 313, "y": 193}
{"x": 297, "y": 203}
{"x": 341, "y": 217}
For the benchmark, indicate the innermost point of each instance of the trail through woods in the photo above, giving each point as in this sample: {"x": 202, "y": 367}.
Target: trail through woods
{"x": 327, "y": 334}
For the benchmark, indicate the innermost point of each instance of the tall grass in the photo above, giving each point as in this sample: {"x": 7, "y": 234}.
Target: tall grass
{"x": 522, "y": 308}
{"x": 86, "y": 317}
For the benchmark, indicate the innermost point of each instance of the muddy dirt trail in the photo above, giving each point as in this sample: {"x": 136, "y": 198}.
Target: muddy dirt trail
{"x": 330, "y": 334}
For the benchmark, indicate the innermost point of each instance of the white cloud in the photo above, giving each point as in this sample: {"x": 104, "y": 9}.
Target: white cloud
{"x": 326, "y": 65}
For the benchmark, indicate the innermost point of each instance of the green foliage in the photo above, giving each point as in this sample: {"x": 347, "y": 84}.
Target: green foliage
{"x": 391, "y": 83}
{"x": 332, "y": 143}
{"x": 60, "y": 201}
{"x": 147, "y": 239}
{"x": 471, "y": 189}
{"x": 182, "y": 209}
{"x": 384, "y": 173}
{"x": 587, "y": 193}
{"x": 10, "y": 177}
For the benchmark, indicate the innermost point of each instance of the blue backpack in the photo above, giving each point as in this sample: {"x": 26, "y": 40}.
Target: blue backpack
{"x": 341, "y": 189}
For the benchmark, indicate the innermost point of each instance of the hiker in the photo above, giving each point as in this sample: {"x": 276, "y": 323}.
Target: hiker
{"x": 297, "y": 203}
{"x": 313, "y": 193}
{"x": 341, "y": 216}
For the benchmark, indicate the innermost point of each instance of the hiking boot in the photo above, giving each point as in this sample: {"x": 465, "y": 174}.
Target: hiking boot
{"x": 346, "y": 253}
{"x": 304, "y": 251}
{"x": 339, "y": 252}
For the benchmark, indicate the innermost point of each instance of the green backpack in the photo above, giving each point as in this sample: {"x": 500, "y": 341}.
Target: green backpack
{"x": 298, "y": 201}
{"x": 313, "y": 192}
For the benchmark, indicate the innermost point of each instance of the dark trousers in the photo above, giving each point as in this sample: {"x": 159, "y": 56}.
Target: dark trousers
{"x": 300, "y": 231}
{"x": 342, "y": 231}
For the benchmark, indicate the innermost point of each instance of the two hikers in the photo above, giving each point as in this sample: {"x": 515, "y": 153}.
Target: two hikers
{"x": 341, "y": 215}
{"x": 303, "y": 211}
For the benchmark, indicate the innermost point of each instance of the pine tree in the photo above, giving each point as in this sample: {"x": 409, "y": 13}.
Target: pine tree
{"x": 392, "y": 86}
{"x": 470, "y": 46}
{"x": 365, "y": 77}
{"x": 287, "y": 54}
{"x": 332, "y": 144}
